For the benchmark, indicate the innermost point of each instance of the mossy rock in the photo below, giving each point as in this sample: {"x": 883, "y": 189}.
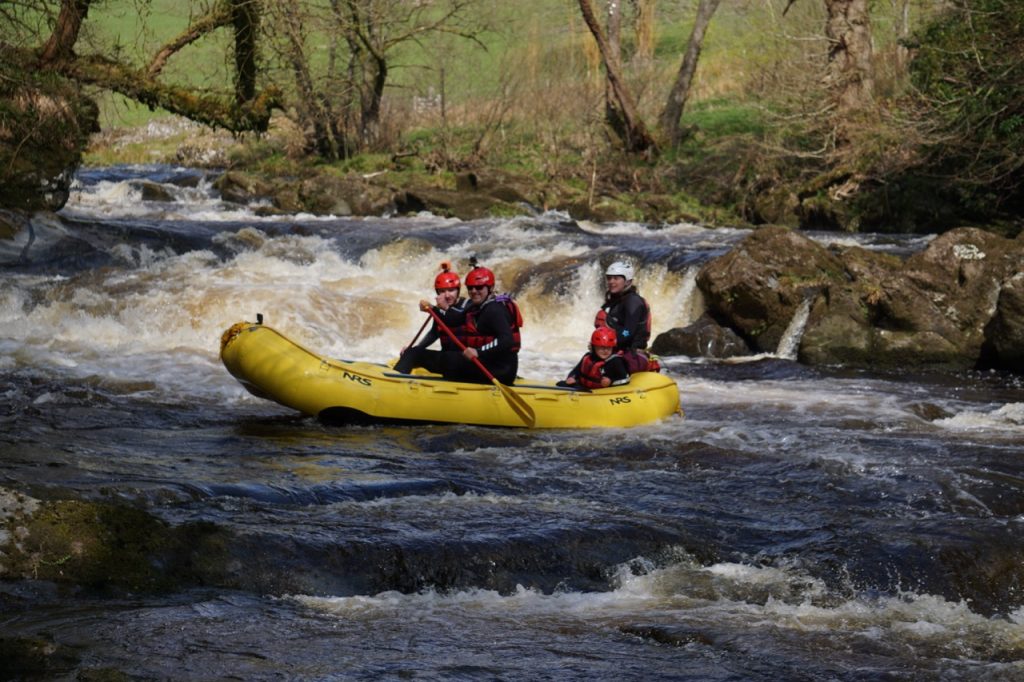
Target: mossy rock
{"x": 10, "y": 225}
{"x": 102, "y": 545}
{"x": 24, "y": 658}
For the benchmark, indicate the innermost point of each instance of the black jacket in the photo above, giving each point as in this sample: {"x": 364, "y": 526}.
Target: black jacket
{"x": 629, "y": 315}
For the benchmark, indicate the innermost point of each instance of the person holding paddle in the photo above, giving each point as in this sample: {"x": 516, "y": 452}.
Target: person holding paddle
{"x": 450, "y": 307}
{"x": 486, "y": 335}
{"x": 490, "y": 334}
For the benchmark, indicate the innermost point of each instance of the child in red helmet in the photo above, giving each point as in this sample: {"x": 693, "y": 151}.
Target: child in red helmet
{"x": 601, "y": 366}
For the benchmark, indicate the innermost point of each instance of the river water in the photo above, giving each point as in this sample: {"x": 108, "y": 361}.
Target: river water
{"x": 799, "y": 523}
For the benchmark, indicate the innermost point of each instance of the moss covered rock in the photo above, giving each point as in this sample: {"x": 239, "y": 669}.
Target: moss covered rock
{"x": 957, "y": 303}
{"x": 98, "y": 545}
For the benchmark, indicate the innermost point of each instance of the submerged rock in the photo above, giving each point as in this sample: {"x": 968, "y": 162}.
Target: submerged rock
{"x": 96, "y": 545}
{"x": 29, "y": 658}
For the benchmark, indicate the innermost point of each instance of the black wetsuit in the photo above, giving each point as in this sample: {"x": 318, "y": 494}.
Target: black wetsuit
{"x": 629, "y": 315}
{"x": 492, "y": 319}
{"x": 418, "y": 356}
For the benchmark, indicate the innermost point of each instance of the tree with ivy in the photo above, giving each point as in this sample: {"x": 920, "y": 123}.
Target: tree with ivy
{"x": 969, "y": 74}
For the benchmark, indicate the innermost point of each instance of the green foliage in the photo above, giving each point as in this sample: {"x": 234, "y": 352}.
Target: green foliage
{"x": 723, "y": 118}
{"x": 970, "y": 73}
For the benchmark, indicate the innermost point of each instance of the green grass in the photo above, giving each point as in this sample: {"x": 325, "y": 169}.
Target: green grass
{"x": 722, "y": 118}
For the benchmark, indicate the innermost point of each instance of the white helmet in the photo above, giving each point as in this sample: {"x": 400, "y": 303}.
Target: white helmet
{"x": 620, "y": 268}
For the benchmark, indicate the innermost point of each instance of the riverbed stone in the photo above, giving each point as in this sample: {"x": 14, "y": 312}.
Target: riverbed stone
{"x": 702, "y": 338}
{"x": 101, "y": 545}
{"x": 37, "y": 658}
{"x": 756, "y": 288}
{"x": 242, "y": 188}
{"x": 11, "y": 223}
{"x": 456, "y": 204}
{"x": 1004, "y": 335}
{"x": 154, "y": 191}
{"x": 954, "y": 304}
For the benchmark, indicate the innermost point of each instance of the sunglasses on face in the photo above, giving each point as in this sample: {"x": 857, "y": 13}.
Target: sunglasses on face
{"x": 476, "y": 288}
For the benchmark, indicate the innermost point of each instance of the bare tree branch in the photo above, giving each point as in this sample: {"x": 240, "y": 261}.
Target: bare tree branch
{"x": 219, "y": 16}
{"x": 61, "y": 44}
{"x": 214, "y": 111}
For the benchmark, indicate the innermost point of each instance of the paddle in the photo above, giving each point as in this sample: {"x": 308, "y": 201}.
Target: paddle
{"x": 422, "y": 327}
{"x": 514, "y": 400}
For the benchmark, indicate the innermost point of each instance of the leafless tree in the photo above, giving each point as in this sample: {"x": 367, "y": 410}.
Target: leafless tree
{"x": 340, "y": 101}
{"x": 669, "y": 120}
{"x": 634, "y": 133}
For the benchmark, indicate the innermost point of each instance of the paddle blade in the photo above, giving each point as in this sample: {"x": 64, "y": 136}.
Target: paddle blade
{"x": 518, "y": 405}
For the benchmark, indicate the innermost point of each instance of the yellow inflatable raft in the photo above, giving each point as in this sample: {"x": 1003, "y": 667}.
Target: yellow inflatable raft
{"x": 272, "y": 366}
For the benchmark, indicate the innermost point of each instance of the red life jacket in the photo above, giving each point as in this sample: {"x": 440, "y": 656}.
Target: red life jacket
{"x": 474, "y": 339}
{"x": 592, "y": 371}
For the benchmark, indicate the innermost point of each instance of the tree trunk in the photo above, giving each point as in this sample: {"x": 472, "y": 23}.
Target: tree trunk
{"x": 612, "y": 112}
{"x": 902, "y": 34}
{"x": 62, "y": 41}
{"x": 636, "y": 137}
{"x": 849, "y": 76}
{"x": 644, "y": 29}
{"x": 246, "y": 18}
{"x": 312, "y": 107}
{"x": 673, "y": 111}
{"x": 373, "y": 75}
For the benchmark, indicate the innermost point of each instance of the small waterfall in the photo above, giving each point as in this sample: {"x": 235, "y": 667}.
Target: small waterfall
{"x": 692, "y": 300}
{"x": 790, "y": 341}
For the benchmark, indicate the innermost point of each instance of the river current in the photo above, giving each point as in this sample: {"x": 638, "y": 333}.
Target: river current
{"x": 798, "y": 523}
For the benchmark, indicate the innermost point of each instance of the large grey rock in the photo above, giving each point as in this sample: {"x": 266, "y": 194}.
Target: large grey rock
{"x": 1004, "y": 335}
{"x": 957, "y": 303}
{"x": 758, "y": 286}
{"x": 703, "y": 338}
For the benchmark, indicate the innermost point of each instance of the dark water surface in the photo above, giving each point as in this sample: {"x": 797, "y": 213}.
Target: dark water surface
{"x": 799, "y": 523}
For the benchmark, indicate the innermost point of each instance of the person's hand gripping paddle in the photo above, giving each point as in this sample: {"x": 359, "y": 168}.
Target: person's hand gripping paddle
{"x": 514, "y": 400}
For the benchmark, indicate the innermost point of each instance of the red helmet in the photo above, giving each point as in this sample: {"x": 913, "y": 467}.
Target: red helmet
{"x": 446, "y": 279}
{"x": 603, "y": 337}
{"x": 601, "y": 319}
{"x": 480, "y": 277}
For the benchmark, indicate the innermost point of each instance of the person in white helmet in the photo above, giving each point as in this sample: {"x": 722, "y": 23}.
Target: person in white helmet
{"x": 627, "y": 313}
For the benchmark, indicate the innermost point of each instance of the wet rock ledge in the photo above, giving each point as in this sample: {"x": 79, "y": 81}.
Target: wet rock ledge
{"x": 959, "y": 303}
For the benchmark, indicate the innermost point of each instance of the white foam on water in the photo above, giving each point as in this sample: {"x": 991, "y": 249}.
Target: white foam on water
{"x": 639, "y": 229}
{"x": 170, "y": 306}
{"x": 1008, "y": 417}
{"x": 730, "y": 595}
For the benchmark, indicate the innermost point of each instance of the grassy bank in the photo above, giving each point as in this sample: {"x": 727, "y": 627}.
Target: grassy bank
{"x": 527, "y": 96}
